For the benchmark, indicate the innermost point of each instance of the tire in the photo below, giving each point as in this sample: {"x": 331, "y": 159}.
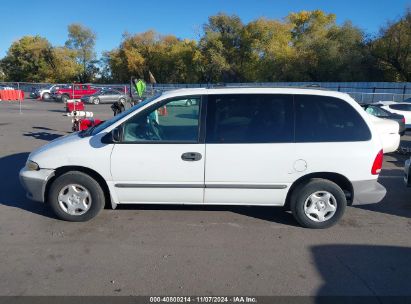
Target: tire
{"x": 84, "y": 186}
{"x": 64, "y": 98}
{"x": 96, "y": 101}
{"x": 122, "y": 100}
{"x": 312, "y": 207}
{"x": 46, "y": 96}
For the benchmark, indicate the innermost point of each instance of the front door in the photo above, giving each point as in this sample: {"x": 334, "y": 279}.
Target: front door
{"x": 250, "y": 149}
{"x": 161, "y": 157}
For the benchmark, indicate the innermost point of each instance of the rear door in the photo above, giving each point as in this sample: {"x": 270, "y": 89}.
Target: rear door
{"x": 250, "y": 150}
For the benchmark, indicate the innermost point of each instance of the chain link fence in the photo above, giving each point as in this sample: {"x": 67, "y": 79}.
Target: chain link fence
{"x": 362, "y": 92}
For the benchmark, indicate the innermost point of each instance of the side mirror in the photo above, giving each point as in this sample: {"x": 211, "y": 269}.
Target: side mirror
{"x": 116, "y": 135}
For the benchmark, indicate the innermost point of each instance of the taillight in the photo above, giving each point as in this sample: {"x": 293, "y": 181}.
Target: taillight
{"x": 403, "y": 119}
{"x": 377, "y": 165}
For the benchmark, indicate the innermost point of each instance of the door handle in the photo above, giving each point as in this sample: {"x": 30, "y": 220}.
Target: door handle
{"x": 191, "y": 156}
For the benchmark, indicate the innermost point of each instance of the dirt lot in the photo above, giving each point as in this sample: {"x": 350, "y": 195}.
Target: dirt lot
{"x": 163, "y": 250}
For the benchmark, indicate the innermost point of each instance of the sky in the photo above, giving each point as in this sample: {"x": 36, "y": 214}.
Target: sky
{"x": 183, "y": 18}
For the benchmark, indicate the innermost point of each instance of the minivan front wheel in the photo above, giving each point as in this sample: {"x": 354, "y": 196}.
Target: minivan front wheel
{"x": 318, "y": 204}
{"x": 76, "y": 197}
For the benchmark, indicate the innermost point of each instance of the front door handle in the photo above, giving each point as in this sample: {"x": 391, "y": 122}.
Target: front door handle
{"x": 191, "y": 156}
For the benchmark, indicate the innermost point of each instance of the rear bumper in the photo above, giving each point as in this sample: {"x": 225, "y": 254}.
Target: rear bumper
{"x": 368, "y": 192}
{"x": 407, "y": 173}
{"x": 34, "y": 182}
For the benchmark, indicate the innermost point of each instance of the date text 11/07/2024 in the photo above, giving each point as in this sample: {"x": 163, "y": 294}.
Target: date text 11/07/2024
{"x": 199, "y": 299}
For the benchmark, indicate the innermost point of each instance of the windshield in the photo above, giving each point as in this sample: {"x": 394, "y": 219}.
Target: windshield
{"x": 118, "y": 117}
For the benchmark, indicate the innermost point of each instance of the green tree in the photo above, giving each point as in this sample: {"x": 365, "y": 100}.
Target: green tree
{"x": 392, "y": 49}
{"x": 82, "y": 40}
{"x": 324, "y": 50}
{"x": 28, "y": 59}
{"x": 170, "y": 59}
{"x": 224, "y": 49}
{"x": 272, "y": 52}
{"x": 64, "y": 65}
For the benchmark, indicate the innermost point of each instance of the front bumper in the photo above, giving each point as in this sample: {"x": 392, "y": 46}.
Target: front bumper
{"x": 407, "y": 173}
{"x": 34, "y": 182}
{"x": 368, "y": 192}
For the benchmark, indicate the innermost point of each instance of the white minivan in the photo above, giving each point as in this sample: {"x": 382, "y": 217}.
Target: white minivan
{"x": 309, "y": 150}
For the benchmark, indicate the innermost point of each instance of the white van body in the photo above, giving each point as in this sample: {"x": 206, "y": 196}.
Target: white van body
{"x": 226, "y": 174}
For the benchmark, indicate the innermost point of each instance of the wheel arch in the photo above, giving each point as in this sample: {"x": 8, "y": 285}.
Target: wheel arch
{"x": 92, "y": 173}
{"x": 342, "y": 181}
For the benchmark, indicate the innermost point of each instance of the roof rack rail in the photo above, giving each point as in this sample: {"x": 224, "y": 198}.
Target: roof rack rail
{"x": 251, "y": 85}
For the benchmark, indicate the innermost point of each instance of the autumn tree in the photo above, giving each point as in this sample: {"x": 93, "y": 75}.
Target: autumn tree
{"x": 170, "y": 59}
{"x": 28, "y": 59}
{"x": 225, "y": 53}
{"x": 64, "y": 65}
{"x": 392, "y": 49}
{"x": 82, "y": 40}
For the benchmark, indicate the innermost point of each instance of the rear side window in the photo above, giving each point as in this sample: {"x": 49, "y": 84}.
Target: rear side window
{"x": 250, "y": 118}
{"x": 327, "y": 119}
{"x": 401, "y": 107}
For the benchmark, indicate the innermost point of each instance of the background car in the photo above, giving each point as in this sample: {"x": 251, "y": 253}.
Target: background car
{"x": 389, "y": 133}
{"x": 377, "y": 111}
{"x": 407, "y": 100}
{"x": 45, "y": 93}
{"x": 185, "y": 102}
{"x": 6, "y": 87}
{"x": 401, "y": 108}
{"x": 105, "y": 96}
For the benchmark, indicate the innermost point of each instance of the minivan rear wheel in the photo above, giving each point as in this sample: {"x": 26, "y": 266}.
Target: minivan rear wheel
{"x": 76, "y": 197}
{"x": 318, "y": 204}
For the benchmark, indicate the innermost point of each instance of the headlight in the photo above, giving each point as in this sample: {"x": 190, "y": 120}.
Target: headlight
{"x": 32, "y": 166}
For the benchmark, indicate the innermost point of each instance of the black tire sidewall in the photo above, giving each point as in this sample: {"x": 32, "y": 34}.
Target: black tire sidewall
{"x": 75, "y": 177}
{"x": 96, "y": 101}
{"x": 302, "y": 193}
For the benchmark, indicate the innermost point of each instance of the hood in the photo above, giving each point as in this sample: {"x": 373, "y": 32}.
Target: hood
{"x": 52, "y": 149}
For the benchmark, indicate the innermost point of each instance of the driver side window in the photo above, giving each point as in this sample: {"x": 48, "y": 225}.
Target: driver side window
{"x": 176, "y": 121}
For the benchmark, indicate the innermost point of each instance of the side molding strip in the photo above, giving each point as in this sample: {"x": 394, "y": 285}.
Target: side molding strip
{"x": 215, "y": 186}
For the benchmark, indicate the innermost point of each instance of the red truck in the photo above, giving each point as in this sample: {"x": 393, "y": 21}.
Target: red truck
{"x": 75, "y": 91}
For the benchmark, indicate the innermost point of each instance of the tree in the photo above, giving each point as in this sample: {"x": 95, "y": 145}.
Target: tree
{"x": 82, "y": 40}
{"x": 64, "y": 65}
{"x": 225, "y": 53}
{"x": 28, "y": 59}
{"x": 392, "y": 49}
{"x": 272, "y": 51}
{"x": 326, "y": 51}
{"x": 170, "y": 59}
{"x": 2, "y": 74}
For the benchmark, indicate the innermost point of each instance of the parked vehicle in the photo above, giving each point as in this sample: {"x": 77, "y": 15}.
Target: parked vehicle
{"x": 6, "y": 87}
{"x": 79, "y": 90}
{"x": 184, "y": 102}
{"x": 45, "y": 93}
{"x": 389, "y": 133}
{"x": 310, "y": 150}
{"x": 400, "y": 108}
{"x": 377, "y": 111}
{"x": 105, "y": 96}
